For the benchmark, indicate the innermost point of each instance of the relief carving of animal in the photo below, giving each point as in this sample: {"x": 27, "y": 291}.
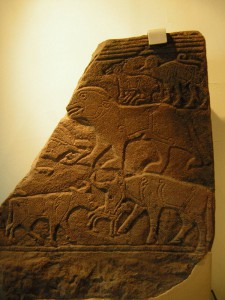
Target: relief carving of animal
{"x": 193, "y": 202}
{"x": 115, "y": 125}
{"x": 174, "y": 75}
{"x": 152, "y": 193}
{"x": 53, "y": 207}
{"x": 134, "y": 88}
{"x": 114, "y": 217}
{"x": 113, "y": 208}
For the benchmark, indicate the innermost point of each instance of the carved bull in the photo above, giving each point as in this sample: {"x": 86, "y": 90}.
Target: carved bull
{"x": 152, "y": 192}
{"x": 193, "y": 202}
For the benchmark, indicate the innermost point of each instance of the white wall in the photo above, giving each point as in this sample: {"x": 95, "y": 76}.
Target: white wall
{"x": 45, "y": 46}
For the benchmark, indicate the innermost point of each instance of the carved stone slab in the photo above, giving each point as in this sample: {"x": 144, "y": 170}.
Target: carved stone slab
{"x": 120, "y": 203}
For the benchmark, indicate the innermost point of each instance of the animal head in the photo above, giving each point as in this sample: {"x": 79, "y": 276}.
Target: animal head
{"x": 103, "y": 178}
{"x": 88, "y": 103}
{"x": 112, "y": 184}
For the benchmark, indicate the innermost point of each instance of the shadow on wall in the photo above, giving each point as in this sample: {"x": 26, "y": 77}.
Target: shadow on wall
{"x": 218, "y": 126}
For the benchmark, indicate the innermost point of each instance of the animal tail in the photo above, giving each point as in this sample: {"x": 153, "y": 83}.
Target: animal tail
{"x": 210, "y": 215}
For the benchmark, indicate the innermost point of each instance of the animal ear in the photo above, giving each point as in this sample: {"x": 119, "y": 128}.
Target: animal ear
{"x": 105, "y": 104}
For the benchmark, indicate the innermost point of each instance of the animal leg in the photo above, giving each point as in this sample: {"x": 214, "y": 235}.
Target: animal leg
{"x": 177, "y": 92}
{"x": 130, "y": 219}
{"x": 117, "y": 218}
{"x": 37, "y": 237}
{"x": 114, "y": 222}
{"x": 154, "y": 218}
{"x": 193, "y": 96}
{"x": 200, "y": 155}
{"x": 165, "y": 94}
{"x": 118, "y": 214}
{"x": 117, "y": 161}
{"x": 202, "y": 233}
{"x": 160, "y": 165}
{"x": 130, "y": 96}
{"x": 114, "y": 163}
{"x": 185, "y": 228}
{"x": 95, "y": 214}
{"x": 70, "y": 236}
{"x": 9, "y": 231}
{"x": 112, "y": 229}
{"x": 98, "y": 150}
{"x": 95, "y": 220}
{"x": 53, "y": 233}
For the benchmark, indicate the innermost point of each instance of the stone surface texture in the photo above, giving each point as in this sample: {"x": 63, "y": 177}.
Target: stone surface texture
{"x": 120, "y": 202}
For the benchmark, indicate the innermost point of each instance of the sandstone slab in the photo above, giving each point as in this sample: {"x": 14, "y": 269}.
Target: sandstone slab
{"x": 120, "y": 202}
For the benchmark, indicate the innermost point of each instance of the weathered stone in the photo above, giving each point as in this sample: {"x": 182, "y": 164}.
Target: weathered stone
{"x": 120, "y": 202}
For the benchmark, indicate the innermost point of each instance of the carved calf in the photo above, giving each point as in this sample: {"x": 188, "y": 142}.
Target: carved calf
{"x": 114, "y": 193}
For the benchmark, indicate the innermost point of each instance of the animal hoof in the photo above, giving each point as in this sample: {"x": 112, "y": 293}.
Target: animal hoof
{"x": 53, "y": 244}
{"x": 193, "y": 163}
{"x": 71, "y": 240}
{"x": 8, "y": 230}
{"x": 122, "y": 230}
{"x": 91, "y": 214}
{"x": 112, "y": 164}
{"x": 176, "y": 241}
{"x": 151, "y": 241}
{"x": 85, "y": 161}
{"x": 89, "y": 225}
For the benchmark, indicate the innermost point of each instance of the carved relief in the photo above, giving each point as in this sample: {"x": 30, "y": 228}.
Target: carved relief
{"x": 194, "y": 203}
{"x": 133, "y": 89}
{"x": 177, "y": 78}
{"x": 125, "y": 182}
{"x": 92, "y": 105}
{"x": 53, "y": 207}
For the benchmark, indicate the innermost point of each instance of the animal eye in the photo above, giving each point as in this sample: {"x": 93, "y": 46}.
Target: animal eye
{"x": 83, "y": 96}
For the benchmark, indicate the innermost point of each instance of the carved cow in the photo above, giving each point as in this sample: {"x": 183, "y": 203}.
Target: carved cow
{"x": 116, "y": 125}
{"x": 54, "y": 207}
